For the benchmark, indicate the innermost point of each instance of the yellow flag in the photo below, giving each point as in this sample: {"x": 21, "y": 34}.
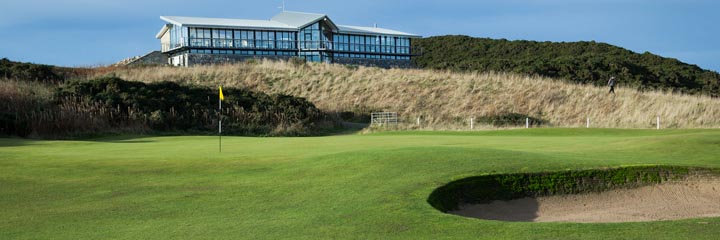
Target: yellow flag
{"x": 221, "y": 95}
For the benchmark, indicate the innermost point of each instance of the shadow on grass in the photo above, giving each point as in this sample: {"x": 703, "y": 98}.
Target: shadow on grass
{"x": 121, "y": 139}
{"x": 518, "y": 210}
{"x": 15, "y": 142}
{"x": 347, "y": 128}
{"x": 6, "y": 141}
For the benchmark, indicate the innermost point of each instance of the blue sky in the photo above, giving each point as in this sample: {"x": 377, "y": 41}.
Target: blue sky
{"x": 95, "y": 32}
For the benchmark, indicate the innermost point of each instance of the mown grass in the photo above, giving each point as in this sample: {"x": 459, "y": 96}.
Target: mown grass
{"x": 348, "y": 187}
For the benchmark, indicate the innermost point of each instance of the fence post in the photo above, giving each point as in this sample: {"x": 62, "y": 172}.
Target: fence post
{"x": 527, "y": 122}
{"x": 658, "y": 123}
{"x": 588, "y": 123}
{"x": 418, "y": 121}
{"x": 472, "y": 123}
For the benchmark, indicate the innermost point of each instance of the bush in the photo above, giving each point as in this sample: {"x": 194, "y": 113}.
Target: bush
{"x": 112, "y": 105}
{"x": 12, "y": 125}
{"x": 29, "y": 71}
{"x": 577, "y": 62}
{"x": 510, "y": 119}
{"x": 167, "y": 106}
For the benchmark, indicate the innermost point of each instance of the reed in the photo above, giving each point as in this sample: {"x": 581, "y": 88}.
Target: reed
{"x": 446, "y": 100}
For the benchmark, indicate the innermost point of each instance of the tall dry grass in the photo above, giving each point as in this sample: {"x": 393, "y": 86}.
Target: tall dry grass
{"x": 445, "y": 100}
{"x": 29, "y": 109}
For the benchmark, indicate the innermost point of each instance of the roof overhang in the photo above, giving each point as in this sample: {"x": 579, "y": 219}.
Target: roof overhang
{"x": 290, "y": 21}
{"x": 222, "y": 23}
{"x": 344, "y": 29}
{"x": 170, "y": 20}
{"x": 374, "y": 33}
{"x": 162, "y": 31}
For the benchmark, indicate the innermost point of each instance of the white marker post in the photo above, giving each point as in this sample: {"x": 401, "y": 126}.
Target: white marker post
{"x": 418, "y": 121}
{"x": 472, "y": 123}
{"x": 527, "y": 122}
{"x": 658, "y": 123}
{"x": 588, "y": 123}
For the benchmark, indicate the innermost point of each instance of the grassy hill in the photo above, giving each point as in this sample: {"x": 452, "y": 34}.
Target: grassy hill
{"x": 372, "y": 186}
{"x": 577, "y": 62}
{"x": 39, "y": 72}
{"x": 446, "y": 99}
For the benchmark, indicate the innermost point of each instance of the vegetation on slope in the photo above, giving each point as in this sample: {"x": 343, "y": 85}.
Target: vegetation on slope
{"x": 38, "y": 72}
{"x": 577, "y": 62}
{"x": 447, "y": 100}
{"x": 113, "y": 105}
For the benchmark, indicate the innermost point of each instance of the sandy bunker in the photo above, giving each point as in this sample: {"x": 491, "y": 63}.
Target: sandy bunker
{"x": 694, "y": 197}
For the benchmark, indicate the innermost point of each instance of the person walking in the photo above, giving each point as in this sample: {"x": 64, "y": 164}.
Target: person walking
{"x": 611, "y": 84}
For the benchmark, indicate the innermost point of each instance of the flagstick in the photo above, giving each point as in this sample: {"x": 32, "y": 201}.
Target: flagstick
{"x": 220, "y": 123}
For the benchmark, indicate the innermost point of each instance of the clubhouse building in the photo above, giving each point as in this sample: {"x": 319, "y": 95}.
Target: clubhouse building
{"x": 188, "y": 41}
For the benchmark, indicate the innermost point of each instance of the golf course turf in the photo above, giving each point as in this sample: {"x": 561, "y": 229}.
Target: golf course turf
{"x": 373, "y": 186}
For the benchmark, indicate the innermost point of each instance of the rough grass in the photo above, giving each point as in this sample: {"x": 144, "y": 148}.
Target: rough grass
{"x": 342, "y": 187}
{"x": 445, "y": 100}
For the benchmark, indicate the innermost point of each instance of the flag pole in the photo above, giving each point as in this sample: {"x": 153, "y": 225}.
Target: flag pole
{"x": 220, "y": 121}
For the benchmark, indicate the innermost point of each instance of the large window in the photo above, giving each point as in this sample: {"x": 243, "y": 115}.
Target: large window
{"x": 310, "y": 56}
{"x": 403, "y": 45}
{"x": 264, "y": 39}
{"x": 200, "y": 37}
{"x": 222, "y": 38}
{"x": 285, "y": 40}
{"x": 244, "y": 39}
{"x": 340, "y": 42}
{"x": 310, "y": 37}
{"x": 372, "y": 44}
{"x": 227, "y": 38}
{"x": 178, "y": 36}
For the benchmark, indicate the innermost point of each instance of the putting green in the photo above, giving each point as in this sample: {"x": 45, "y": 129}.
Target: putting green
{"x": 351, "y": 186}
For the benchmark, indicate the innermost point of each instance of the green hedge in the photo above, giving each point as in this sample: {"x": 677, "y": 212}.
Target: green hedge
{"x": 483, "y": 189}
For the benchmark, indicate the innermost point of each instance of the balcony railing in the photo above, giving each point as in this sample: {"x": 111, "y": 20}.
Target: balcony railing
{"x": 251, "y": 44}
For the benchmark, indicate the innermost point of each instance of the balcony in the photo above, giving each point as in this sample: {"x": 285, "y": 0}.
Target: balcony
{"x": 288, "y": 45}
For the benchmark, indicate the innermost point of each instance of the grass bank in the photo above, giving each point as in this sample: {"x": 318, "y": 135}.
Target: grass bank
{"x": 446, "y": 100}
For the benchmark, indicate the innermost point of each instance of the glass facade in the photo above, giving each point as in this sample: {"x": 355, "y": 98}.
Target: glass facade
{"x": 314, "y": 37}
{"x": 177, "y": 36}
{"x": 317, "y": 42}
{"x": 230, "y": 38}
{"x": 371, "y": 44}
{"x": 242, "y": 52}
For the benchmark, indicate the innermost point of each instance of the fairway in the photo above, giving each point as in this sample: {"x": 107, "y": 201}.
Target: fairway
{"x": 372, "y": 186}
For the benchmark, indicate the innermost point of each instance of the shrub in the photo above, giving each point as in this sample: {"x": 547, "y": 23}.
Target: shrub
{"x": 167, "y": 106}
{"x": 577, "y": 62}
{"x": 510, "y": 119}
{"x": 112, "y": 105}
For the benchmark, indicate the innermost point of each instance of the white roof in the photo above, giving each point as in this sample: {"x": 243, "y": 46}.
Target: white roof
{"x": 283, "y": 21}
{"x": 298, "y": 19}
{"x": 162, "y": 31}
{"x": 373, "y": 30}
{"x": 226, "y": 22}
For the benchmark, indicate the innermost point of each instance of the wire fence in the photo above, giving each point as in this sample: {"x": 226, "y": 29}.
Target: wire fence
{"x": 391, "y": 120}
